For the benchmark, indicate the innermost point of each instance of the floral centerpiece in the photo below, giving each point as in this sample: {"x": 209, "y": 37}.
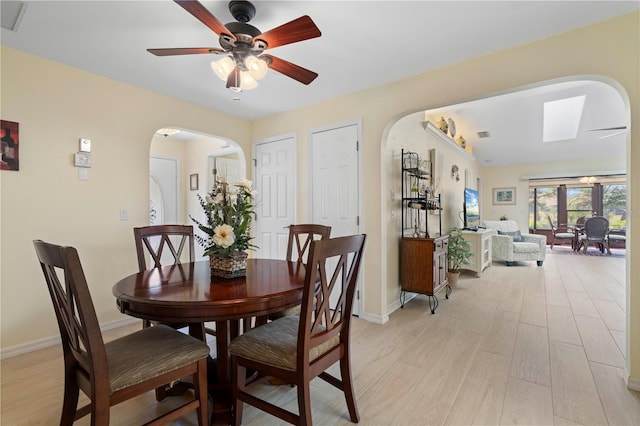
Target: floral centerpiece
{"x": 229, "y": 212}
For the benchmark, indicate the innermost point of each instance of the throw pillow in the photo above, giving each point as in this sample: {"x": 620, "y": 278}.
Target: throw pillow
{"x": 515, "y": 235}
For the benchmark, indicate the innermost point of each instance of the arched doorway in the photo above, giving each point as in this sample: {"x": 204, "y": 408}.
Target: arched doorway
{"x": 189, "y": 161}
{"x": 616, "y": 141}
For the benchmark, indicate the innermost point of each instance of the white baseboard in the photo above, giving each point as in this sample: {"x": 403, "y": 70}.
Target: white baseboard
{"x": 382, "y": 319}
{"x": 55, "y": 340}
{"x": 378, "y": 319}
{"x": 633, "y": 383}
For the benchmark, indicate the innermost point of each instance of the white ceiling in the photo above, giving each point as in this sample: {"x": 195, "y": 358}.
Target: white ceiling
{"x": 515, "y": 122}
{"x": 363, "y": 44}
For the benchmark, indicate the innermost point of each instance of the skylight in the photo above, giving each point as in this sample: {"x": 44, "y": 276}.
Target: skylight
{"x": 562, "y": 118}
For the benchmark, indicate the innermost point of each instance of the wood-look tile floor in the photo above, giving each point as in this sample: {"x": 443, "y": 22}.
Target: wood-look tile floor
{"x": 521, "y": 345}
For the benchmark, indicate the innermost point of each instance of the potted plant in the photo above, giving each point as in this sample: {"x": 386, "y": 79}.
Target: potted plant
{"x": 229, "y": 212}
{"x": 458, "y": 254}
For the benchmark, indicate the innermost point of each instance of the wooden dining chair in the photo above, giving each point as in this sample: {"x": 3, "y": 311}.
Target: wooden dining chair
{"x": 155, "y": 240}
{"x": 300, "y": 238}
{"x": 113, "y": 372}
{"x": 146, "y": 245}
{"x": 162, "y": 245}
{"x": 296, "y": 349}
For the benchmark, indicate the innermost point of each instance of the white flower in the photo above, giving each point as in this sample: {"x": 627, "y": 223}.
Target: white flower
{"x": 244, "y": 183}
{"x": 223, "y": 235}
{"x": 218, "y": 199}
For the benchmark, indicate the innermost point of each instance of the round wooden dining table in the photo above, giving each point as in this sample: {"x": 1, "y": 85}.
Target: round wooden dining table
{"x": 187, "y": 293}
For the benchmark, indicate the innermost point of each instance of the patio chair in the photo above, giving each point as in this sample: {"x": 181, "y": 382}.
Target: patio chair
{"x": 560, "y": 234}
{"x": 595, "y": 232}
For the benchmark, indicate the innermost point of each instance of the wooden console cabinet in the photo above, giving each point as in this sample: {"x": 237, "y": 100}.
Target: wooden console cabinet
{"x": 481, "y": 247}
{"x": 423, "y": 267}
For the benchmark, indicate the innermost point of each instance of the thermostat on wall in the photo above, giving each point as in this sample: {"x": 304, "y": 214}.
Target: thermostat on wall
{"x": 82, "y": 159}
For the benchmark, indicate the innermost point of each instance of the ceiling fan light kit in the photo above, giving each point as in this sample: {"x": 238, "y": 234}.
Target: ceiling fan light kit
{"x": 243, "y": 45}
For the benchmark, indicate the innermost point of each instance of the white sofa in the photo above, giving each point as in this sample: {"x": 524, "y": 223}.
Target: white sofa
{"x": 504, "y": 248}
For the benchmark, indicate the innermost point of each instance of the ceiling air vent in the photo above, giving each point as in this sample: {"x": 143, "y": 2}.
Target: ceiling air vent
{"x": 484, "y": 134}
{"x": 12, "y": 13}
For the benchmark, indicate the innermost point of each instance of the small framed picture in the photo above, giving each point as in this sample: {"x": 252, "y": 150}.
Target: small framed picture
{"x": 504, "y": 196}
{"x": 193, "y": 182}
{"x": 10, "y": 136}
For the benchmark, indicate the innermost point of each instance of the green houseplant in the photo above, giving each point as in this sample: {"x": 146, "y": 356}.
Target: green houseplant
{"x": 229, "y": 213}
{"x": 458, "y": 254}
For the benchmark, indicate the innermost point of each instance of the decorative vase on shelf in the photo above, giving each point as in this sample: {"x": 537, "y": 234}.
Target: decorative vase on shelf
{"x": 443, "y": 125}
{"x": 461, "y": 141}
{"x": 232, "y": 266}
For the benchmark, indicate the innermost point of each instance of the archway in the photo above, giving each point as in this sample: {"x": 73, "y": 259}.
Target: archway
{"x": 393, "y": 141}
{"x": 194, "y": 155}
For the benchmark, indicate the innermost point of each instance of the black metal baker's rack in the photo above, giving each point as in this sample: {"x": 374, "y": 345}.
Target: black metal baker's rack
{"x": 417, "y": 196}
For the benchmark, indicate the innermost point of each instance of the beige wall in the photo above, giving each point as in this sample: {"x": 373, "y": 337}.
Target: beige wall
{"x": 56, "y": 105}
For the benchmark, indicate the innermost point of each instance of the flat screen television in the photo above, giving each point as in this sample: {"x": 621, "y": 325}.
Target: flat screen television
{"x": 471, "y": 209}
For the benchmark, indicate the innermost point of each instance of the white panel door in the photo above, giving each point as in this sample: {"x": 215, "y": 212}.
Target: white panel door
{"x": 164, "y": 184}
{"x": 274, "y": 180}
{"x": 334, "y": 181}
{"x": 164, "y": 171}
{"x": 227, "y": 168}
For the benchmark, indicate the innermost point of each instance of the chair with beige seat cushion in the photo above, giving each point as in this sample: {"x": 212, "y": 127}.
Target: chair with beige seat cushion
{"x": 166, "y": 245}
{"x": 296, "y": 349}
{"x": 560, "y": 233}
{"x": 113, "y": 372}
{"x": 510, "y": 245}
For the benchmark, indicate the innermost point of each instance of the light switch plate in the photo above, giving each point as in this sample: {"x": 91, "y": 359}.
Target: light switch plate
{"x": 82, "y": 159}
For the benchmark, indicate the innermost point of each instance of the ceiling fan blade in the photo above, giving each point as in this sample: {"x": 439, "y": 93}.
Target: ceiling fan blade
{"x": 186, "y": 51}
{"x": 233, "y": 81}
{"x": 299, "y": 29}
{"x": 294, "y": 71}
{"x": 608, "y": 128}
{"x": 613, "y": 134}
{"x": 202, "y": 14}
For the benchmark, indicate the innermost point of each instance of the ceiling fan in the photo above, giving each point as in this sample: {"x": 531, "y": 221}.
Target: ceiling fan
{"x": 243, "y": 45}
{"x": 621, "y": 130}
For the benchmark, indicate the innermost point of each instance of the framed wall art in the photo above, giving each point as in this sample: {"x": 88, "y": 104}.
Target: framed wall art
{"x": 193, "y": 182}
{"x": 504, "y": 196}
{"x": 10, "y": 154}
